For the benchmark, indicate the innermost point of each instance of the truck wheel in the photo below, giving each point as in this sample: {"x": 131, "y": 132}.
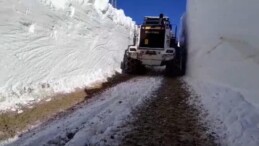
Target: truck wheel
{"x": 177, "y": 67}
{"x": 130, "y": 66}
{"x": 171, "y": 69}
{"x": 183, "y": 65}
{"x": 182, "y": 62}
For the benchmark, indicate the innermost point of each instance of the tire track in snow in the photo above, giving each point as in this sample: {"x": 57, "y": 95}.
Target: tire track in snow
{"x": 94, "y": 121}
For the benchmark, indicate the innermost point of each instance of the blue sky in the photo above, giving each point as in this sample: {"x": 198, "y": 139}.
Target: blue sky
{"x": 137, "y": 9}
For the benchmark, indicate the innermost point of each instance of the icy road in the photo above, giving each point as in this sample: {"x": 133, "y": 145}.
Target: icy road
{"x": 96, "y": 120}
{"x": 141, "y": 111}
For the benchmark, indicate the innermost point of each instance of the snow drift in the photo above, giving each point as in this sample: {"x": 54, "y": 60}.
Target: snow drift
{"x": 50, "y": 46}
{"x": 224, "y": 64}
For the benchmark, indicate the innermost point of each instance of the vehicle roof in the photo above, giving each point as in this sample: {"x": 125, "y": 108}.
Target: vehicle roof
{"x": 156, "y": 17}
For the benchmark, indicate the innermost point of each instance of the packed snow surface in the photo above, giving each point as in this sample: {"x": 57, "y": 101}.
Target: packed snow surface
{"x": 234, "y": 119}
{"x": 224, "y": 64}
{"x": 98, "y": 120}
{"x": 50, "y": 46}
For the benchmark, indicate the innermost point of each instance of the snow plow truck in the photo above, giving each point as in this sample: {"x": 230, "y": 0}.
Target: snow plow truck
{"x": 155, "y": 45}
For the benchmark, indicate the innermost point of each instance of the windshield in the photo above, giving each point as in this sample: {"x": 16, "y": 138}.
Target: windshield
{"x": 152, "y": 37}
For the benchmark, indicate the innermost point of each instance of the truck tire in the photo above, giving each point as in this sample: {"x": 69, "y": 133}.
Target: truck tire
{"x": 182, "y": 61}
{"x": 183, "y": 64}
{"x": 171, "y": 69}
{"x": 177, "y": 67}
{"x": 131, "y": 66}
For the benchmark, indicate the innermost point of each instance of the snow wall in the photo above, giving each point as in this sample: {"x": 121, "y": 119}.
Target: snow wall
{"x": 52, "y": 46}
{"x": 223, "y": 39}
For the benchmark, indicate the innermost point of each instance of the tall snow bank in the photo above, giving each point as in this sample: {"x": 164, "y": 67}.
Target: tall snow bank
{"x": 224, "y": 45}
{"x": 224, "y": 64}
{"x": 50, "y": 46}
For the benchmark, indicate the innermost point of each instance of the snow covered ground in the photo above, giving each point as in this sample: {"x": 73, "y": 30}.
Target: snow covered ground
{"x": 224, "y": 65}
{"x": 50, "y": 46}
{"x": 95, "y": 122}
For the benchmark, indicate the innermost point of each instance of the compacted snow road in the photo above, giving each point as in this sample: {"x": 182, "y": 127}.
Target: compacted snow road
{"x": 93, "y": 122}
{"x": 148, "y": 110}
{"x": 168, "y": 119}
